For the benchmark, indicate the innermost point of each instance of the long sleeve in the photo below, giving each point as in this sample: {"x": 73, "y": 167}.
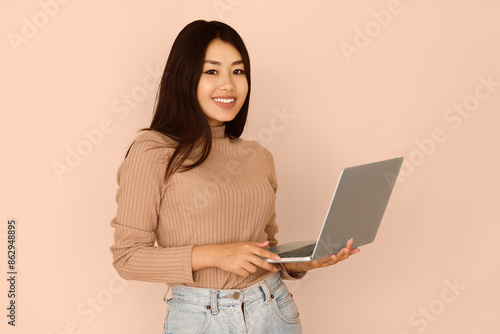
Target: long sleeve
{"x": 140, "y": 188}
{"x": 272, "y": 227}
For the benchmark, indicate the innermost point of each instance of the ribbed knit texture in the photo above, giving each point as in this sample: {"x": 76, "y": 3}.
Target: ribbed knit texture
{"x": 230, "y": 197}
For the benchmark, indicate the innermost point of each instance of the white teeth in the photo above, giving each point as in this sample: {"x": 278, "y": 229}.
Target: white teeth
{"x": 223, "y": 100}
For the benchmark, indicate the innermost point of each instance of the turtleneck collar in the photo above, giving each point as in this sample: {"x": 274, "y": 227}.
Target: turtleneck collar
{"x": 218, "y": 131}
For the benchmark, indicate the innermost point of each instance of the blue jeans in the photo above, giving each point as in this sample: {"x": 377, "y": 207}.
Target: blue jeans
{"x": 265, "y": 307}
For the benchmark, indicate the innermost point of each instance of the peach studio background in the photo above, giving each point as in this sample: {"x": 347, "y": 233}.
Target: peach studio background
{"x": 335, "y": 84}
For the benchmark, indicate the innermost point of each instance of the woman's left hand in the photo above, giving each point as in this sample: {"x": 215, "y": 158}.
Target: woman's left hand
{"x": 343, "y": 254}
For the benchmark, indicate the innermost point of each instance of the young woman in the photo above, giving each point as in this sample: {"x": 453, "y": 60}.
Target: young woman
{"x": 206, "y": 197}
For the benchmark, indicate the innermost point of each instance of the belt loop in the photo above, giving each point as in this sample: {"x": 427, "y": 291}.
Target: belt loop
{"x": 267, "y": 293}
{"x": 213, "y": 302}
{"x": 166, "y": 293}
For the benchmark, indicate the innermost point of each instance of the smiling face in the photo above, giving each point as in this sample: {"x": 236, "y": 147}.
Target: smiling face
{"x": 223, "y": 87}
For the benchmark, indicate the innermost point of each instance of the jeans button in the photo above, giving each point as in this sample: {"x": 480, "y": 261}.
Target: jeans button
{"x": 236, "y": 295}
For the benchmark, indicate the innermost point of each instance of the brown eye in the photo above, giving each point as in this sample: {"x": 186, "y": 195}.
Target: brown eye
{"x": 238, "y": 71}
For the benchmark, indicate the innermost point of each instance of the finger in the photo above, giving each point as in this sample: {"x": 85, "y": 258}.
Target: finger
{"x": 321, "y": 263}
{"x": 261, "y": 251}
{"x": 248, "y": 266}
{"x": 342, "y": 254}
{"x": 333, "y": 260}
{"x": 345, "y": 253}
{"x": 242, "y": 272}
{"x": 272, "y": 256}
{"x": 265, "y": 253}
{"x": 238, "y": 267}
{"x": 349, "y": 244}
{"x": 354, "y": 251}
{"x": 324, "y": 262}
{"x": 257, "y": 261}
{"x": 260, "y": 244}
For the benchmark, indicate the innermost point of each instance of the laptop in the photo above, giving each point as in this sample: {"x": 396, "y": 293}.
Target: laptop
{"x": 356, "y": 210}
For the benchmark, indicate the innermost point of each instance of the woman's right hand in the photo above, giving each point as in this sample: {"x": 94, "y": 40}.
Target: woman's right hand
{"x": 241, "y": 258}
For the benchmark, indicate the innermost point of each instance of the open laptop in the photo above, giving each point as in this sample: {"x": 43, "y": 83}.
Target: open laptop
{"x": 356, "y": 210}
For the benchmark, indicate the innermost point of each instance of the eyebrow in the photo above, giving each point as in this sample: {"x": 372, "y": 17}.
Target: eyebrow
{"x": 215, "y": 62}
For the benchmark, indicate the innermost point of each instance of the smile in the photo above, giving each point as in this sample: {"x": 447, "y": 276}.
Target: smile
{"x": 223, "y": 100}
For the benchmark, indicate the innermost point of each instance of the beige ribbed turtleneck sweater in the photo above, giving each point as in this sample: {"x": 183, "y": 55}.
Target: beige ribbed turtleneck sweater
{"x": 230, "y": 197}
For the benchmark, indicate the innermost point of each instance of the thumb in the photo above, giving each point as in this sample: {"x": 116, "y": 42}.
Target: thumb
{"x": 262, "y": 244}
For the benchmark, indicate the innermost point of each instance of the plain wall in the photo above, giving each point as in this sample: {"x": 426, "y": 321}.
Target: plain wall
{"x": 335, "y": 84}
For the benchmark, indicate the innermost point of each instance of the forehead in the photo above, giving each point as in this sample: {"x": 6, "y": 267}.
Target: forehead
{"x": 221, "y": 51}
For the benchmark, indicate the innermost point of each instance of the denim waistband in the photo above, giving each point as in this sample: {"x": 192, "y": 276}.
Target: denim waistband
{"x": 215, "y": 298}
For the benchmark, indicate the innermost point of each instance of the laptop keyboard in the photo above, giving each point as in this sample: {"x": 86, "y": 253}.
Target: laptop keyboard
{"x": 304, "y": 251}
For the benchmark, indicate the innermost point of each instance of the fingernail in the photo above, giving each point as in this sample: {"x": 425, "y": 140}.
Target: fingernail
{"x": 277, "y": 258}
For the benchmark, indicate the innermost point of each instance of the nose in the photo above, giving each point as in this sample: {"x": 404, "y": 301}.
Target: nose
{"x": 226, "y": 82}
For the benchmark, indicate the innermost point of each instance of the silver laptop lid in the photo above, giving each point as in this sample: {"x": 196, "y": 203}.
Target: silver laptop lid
{"x": 358, "y": 205}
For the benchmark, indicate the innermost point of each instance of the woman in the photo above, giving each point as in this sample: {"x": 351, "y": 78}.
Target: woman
{"x": 206, "y": 197}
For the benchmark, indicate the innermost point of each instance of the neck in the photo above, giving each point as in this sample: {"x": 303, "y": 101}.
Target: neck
{"x": 218, "y": 131}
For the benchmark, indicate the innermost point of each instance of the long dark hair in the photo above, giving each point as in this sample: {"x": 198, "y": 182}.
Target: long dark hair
{"x": 178, "y": 114}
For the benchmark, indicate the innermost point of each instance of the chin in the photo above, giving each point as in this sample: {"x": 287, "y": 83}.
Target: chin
{"x": 223, "y": 119}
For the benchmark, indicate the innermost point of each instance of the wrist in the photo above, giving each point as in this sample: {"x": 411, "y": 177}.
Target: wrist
{"x": 289, "y": 267}
{"x": 295, "y": 267}
{"x": 202, "y": 257}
